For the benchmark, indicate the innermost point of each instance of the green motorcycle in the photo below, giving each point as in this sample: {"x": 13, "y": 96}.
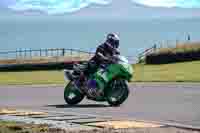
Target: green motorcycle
{"x": 111, "y": 83}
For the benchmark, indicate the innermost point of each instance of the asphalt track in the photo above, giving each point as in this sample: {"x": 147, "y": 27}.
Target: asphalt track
{"x": 176, "y": 103}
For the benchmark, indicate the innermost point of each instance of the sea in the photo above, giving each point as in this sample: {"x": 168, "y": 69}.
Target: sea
{"x": 27, "y": 32}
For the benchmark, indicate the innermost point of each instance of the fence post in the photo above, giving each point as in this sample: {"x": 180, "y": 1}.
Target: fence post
{"x": 63, "y": 52}
{"x": 57, "y": 52}
{"x": 30, "y": 54}
{"x": 20, "y": 53}
{"x": 154, "y": 48}
{"x": 71, "y": 52}
{"x": 16, "y": 54}
{"x": 24, "y": 51}
{"x": 40, "y": 52}
{"x": 188, "y": 38}
{"x": 51, "y": 52}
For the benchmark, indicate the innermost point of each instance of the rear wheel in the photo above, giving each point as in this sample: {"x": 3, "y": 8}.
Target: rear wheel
{"x": 72, "y": 95}
{"x": 117, "y": 92}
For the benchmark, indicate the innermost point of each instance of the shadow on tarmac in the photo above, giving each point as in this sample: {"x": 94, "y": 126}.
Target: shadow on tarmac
{"x": 78, "y": 106}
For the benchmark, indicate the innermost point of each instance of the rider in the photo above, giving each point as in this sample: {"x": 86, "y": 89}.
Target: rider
{"x": 102, "y": 56}
{"x": 106, "y": 50}
{"x": 103, "y": 53}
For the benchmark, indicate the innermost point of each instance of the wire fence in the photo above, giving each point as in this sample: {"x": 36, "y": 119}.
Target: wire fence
{"x": 32, "y": 53}
{"x": 21, "y": 56}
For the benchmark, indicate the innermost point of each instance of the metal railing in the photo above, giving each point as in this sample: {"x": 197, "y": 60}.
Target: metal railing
{"x": 31, "y": 53}
{"x": 21, "y": 56}
{"x": 142, "y": 55}
{"x": 38, "y": 56}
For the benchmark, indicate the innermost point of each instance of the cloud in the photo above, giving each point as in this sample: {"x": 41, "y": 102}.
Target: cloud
{"x": 67, "y": 6}
{"x": 170, "y": 3}
{"x": 54, "y": 6}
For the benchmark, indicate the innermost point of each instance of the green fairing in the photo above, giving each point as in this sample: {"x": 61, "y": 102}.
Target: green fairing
{"x": 103, "y": 77}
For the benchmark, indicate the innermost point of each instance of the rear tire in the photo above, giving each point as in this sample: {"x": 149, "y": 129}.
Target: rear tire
{"x": 72, "y": 95}
{"x": 117, "y": 92}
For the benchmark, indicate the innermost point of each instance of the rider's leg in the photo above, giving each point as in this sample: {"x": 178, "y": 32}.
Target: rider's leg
{"x": 92, "y": 84}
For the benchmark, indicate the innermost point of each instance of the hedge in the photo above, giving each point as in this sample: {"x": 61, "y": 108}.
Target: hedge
{"x": 172, "y": 57}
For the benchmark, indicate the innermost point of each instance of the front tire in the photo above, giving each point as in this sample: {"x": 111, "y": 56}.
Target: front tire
{"x": 117, "y": 92}
{"x": 72, "y": 94}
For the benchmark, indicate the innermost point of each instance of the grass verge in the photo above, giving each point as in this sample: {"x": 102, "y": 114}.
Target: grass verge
{"x": 31, "y": 78}
{"x": 176, "y": 72}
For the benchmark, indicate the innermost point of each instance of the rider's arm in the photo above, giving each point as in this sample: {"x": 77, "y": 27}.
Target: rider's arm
{"x": 106, "y": 54}
{"x": 100, "y": 53}
{"x": 117, "y": 52}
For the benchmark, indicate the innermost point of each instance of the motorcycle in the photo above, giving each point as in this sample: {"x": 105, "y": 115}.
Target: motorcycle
{"x": 111, "y": 82}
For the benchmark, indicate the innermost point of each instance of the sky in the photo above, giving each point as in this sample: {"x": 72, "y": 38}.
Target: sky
{"x": 129, "y": 7}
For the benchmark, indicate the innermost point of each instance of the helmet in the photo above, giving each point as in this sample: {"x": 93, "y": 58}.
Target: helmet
{"x": 112, "y": 40}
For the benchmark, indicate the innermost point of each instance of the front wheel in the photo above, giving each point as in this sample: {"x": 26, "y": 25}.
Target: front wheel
{"x": 72, "y": 95}
{"x": 117, "y": 92}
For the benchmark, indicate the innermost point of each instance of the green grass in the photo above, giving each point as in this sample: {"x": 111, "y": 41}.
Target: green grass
{"x": 7, "y": 122}
{"x": 176, "y": 72}
{"x": 33, "y": 77}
